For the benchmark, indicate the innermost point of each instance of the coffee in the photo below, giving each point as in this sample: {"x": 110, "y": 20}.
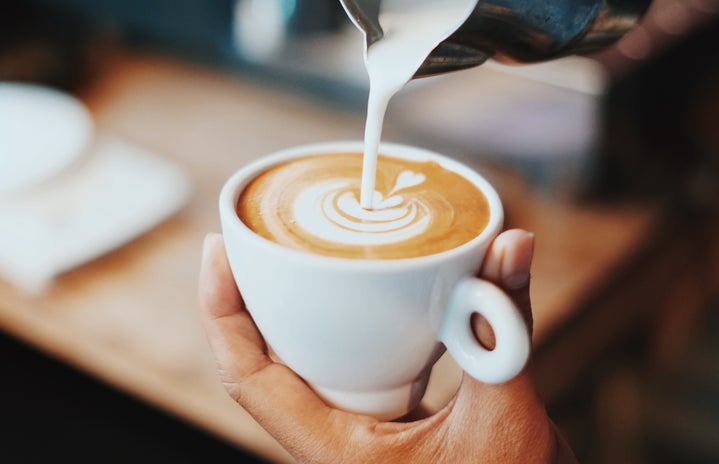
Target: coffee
{"x": 313, "y": 204}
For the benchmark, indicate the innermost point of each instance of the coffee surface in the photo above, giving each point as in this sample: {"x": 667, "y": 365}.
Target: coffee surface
{"x": 313, "y": 204}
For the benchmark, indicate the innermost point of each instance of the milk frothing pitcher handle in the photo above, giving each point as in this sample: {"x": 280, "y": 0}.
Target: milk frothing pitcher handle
{"x": 507, "y": 359}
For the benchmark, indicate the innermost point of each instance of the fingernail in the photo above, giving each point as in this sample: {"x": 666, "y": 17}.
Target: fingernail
{"x": 517, "y": 267}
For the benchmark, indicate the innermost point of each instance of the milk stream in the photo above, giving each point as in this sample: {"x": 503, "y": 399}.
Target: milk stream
{"x": 413, "y": 28}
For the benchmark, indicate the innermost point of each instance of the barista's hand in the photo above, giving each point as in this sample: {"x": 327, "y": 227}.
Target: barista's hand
{"x": 484, "y": 423}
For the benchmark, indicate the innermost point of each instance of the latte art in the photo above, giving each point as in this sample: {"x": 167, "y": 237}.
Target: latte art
{"x": 313, "y": 204}
{"x": 331, "y": 211}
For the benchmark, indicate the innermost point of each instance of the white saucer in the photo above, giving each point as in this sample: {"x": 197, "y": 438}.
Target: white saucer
{"x": 118, "y": 192}
{"x": 42, "y": 132}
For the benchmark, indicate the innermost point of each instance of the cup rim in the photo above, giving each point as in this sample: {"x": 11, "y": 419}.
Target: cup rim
{"x": 238, "y": 181}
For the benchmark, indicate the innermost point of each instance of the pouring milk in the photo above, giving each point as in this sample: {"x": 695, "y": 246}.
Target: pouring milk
{"x": 412, "y": 29}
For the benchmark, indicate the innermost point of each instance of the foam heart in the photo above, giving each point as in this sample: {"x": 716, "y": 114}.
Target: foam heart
{"x": 408, "y": 179}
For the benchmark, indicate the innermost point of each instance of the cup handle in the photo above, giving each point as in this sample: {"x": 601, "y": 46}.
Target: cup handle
{"x": 512, "y": 348}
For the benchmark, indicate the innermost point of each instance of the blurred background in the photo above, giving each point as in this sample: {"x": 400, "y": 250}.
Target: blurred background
{"x": 612, "y": 159}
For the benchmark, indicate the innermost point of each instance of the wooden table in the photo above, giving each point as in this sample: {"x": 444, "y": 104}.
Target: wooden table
{"x": 131, "y": 317}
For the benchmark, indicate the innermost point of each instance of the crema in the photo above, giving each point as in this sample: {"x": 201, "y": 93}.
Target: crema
{"x": 313, "y": 204}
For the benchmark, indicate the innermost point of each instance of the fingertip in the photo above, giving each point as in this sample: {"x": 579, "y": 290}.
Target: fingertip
{"x": 517, "y": 262}
{"x": 218, "y": 292}
{"x": 509, "y": 258}
{"x": 513, "y": 236}
{"x": 209, "y": 247}
{"x": 210, "y": 243}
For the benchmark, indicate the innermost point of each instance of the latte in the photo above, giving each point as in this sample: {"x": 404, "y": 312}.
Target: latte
{"x": 313, "y": 204}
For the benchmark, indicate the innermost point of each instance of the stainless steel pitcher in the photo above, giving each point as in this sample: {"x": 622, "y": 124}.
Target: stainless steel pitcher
{"x": 517, "y": 30}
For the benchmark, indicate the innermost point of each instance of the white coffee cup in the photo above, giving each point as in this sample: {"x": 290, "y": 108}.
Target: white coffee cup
{"x": 364, "y": 334}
